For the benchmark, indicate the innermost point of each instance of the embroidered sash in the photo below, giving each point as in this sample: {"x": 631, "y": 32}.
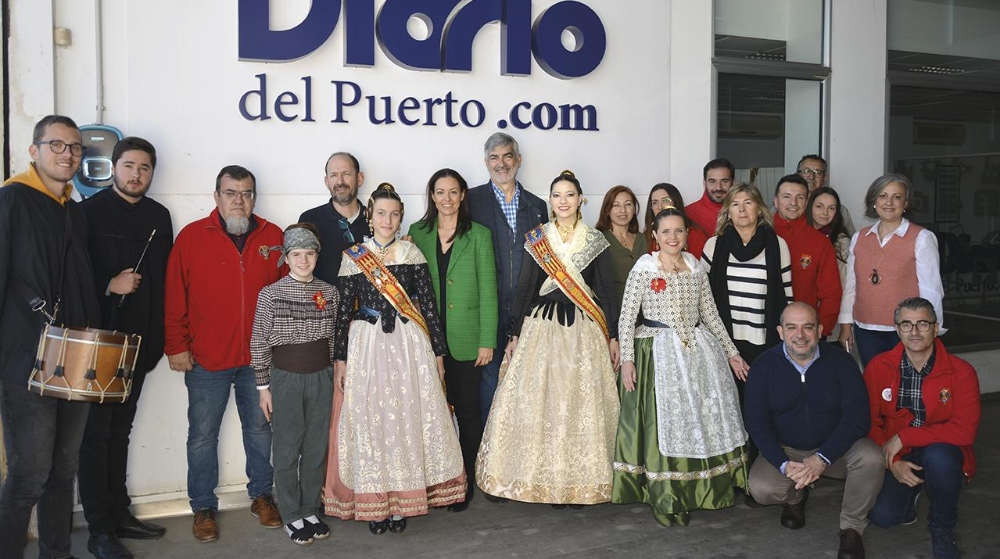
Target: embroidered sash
{"x": 541, "y": 251}
{"x": 386, "y": 284}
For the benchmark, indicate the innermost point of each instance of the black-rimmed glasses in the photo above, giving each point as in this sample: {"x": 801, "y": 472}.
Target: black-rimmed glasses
{"x": 59, "y": 146}
{"x": 806, "y": 172}
{"x": 922, "y": 325}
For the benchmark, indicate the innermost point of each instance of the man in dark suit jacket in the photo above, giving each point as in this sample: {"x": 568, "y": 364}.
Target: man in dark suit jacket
{"x": 509, "y": 211}
{"x": 341, "y": 221}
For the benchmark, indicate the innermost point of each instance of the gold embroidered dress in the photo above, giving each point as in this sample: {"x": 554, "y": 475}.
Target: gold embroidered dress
{"x": 551, "y": 430}
{"x": 393, "y": 447}
{"x": 681, "y": 441}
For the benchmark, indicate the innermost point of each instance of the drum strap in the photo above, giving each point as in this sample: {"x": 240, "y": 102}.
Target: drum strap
{"x": 38, "y": 304}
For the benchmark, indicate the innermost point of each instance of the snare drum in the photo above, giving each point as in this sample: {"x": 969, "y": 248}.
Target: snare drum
{"x": 84, "y": 364}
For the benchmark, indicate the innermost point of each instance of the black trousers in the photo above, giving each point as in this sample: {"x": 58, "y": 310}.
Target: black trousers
{"x": 749, "y": 352}
{"x": 42, "y": 438}
{"x": 462, "y": 379}
{"x": 104, "y": 460}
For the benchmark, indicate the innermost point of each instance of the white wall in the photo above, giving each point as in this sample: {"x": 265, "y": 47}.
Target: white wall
{"x": 172, "y": 75}
{"x": 858, "y": 99}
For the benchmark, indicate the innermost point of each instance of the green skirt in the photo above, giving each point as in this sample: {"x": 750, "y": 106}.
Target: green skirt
{"x": 673, "y": 486}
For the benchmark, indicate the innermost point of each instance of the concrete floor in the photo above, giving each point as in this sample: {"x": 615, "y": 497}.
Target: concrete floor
{"x": 514, "y": 530}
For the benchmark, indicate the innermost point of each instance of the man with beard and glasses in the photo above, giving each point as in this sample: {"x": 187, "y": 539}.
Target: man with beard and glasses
{"x": 341, "y": 221}
{"x": 717, "y": 176}
{"x": 807, "y": 412}
{"x": 509, "y": 211}
{"x": 124, "y": 225}
{"x": 43, "y": 255}
{"x": 218, "y": 266}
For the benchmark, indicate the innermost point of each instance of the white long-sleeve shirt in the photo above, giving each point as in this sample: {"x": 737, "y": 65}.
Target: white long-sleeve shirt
{"x": 928, "y": 264}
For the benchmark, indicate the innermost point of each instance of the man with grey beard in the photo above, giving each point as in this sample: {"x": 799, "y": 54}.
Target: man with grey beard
{"x": 218, "y": 265}
{"x": 341, "y": 221}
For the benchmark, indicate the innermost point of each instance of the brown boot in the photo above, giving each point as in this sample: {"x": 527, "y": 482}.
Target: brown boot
{"x": 205, "y": 528}
{"x": 263, "y": 508}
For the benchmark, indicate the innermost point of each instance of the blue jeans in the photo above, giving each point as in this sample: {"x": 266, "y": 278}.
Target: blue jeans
{"x": 208, "y": 395}
{"x": 491, "y": 371}
{"x": 42, "y": 439}
{"x": 873, "y": 342}
{"x": 943, "y": 479}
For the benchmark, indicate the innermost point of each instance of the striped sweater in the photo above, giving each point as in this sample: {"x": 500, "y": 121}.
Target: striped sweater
{"x": 748, "y": 290}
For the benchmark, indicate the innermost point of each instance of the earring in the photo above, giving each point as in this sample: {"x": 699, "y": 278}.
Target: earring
{"x": 552, "y": 214}
{"x": 579, "y": 214}
{"x": 371, "y": 230}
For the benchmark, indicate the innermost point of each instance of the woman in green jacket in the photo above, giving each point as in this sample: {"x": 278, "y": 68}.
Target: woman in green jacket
{"x": 459, "y": 254}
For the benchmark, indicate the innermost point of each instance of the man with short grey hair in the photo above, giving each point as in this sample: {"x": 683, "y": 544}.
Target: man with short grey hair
{"x": 925, "y": 413}
{"x": 509, "y": 211}
{"x": 807, "y": 412}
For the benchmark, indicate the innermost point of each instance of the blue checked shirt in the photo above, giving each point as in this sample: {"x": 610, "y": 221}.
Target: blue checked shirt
{"x": 911, "y": 386}
{"x": 509, "y": 210}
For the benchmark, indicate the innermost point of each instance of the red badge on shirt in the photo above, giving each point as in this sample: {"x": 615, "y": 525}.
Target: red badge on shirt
{"x": 944, "y": 395}
{"x": 320, "y": 301}
{"x": 805, "y": 261}
{"x": 658, "y": 285}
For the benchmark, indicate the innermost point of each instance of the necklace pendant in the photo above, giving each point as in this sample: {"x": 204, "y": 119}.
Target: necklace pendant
{"x": 875, "y": 278}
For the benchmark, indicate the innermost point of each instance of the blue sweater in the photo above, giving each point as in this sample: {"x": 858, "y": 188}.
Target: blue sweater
{"x": 827, "y": 412}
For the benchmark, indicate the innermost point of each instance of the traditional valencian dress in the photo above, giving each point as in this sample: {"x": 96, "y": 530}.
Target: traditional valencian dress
{"x": 681, "y": 442}
{"x": 393, "y": 447}
{"x": 551, "y": 431}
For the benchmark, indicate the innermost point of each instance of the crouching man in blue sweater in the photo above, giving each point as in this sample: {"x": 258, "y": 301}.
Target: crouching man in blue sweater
{"x": 807, "y": 412}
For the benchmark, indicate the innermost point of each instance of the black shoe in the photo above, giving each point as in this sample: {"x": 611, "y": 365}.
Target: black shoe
{"x": 397, "y": 526}
{"x": 132, "y": 527}
{"x": 851, "y": 546}
{"x": 458, "y": 507}
{"x": 378, "y": 528}
{"x": 106, "y": 545}
{"x": 558, "y": 507}
{"x": 911, "y": 512}
{"x": 299, "y": 536}
{"x": 577, "y": 507}
{"x": 320, "y": 531}
{"x": 751, "y": 502}
{"x": 944, "y": 545}
{"x": 494, "y": 498}
{"x": 793, "y": 517}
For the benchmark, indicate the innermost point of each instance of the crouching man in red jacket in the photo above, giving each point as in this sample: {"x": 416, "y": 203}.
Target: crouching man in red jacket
{"x": 925, "y": 411}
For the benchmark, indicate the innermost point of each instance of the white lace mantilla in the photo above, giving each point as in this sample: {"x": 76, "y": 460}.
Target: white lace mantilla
{"x": 697, "y": 406}
{"x": 405, "y": 253}
{"x": 585, "y": 245}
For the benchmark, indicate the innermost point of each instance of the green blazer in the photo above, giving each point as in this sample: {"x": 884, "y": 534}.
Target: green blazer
{"x": 472, "y": 288}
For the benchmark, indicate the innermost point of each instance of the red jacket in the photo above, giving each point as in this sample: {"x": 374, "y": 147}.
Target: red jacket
{"x": 951, "y": 399}
{"x": 705, "y": 213}
{"x": 815, "y": 276}
{"x": 211, "y": 291}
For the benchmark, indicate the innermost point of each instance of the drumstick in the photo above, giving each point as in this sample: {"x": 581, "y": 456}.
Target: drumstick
{"x": 121, "y": 302}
